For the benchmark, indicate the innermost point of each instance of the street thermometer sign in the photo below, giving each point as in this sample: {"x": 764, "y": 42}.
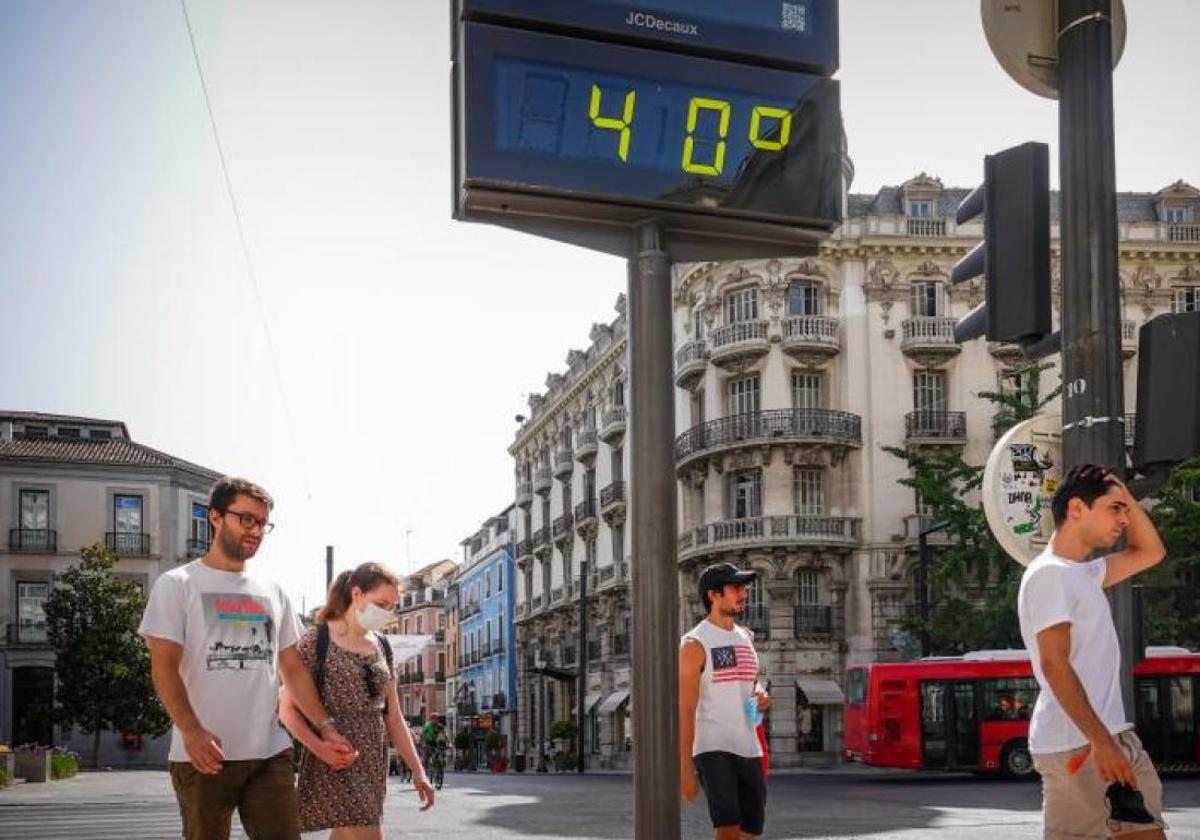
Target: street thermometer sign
{"x": 577, "y": 138}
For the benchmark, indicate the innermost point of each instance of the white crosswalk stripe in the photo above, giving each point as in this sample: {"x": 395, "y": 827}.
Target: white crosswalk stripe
{"x": 115, "y": 821}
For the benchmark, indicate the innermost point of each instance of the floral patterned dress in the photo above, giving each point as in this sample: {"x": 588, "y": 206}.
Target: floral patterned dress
{"x": 354, "y": 694}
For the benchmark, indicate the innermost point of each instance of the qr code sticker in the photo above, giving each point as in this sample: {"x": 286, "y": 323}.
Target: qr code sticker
{"x": 795, "y": 17}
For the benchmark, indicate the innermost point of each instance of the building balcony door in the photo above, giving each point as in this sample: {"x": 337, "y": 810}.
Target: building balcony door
{"x": 33, "y": 697}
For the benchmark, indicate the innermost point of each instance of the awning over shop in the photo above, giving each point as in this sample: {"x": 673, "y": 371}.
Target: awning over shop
{"x": 818, "y": 692}
{"x": 590, "y": 701}
{"x": 613, "y": 702}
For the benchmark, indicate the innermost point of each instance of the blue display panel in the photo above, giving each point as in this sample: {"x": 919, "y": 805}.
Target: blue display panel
{"x": 619, "y": 124}
{"x": 795, "y": 33}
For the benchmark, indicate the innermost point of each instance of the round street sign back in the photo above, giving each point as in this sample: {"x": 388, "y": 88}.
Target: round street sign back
{"x": 1023, "y": 35}
{"x": 1019, "y": 481}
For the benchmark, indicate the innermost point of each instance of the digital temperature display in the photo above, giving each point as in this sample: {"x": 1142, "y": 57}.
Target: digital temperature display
{"x": 621, "y": 124}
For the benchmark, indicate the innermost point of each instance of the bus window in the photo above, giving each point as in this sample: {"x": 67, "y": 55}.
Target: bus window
{"x": 1009, "y": 699}
{"x": 856, "y": 686}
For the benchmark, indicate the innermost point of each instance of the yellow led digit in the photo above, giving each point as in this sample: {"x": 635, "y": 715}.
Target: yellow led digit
{"x": 785, "y": 127}
{"x": 621, "y": 124}
{"x": 698, "y": 104}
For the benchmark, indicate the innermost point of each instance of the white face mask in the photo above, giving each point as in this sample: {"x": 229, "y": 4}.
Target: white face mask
{"x": 373, "y": 617}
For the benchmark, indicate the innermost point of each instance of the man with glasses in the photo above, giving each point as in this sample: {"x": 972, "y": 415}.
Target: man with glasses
{"x": 220, "y": 641}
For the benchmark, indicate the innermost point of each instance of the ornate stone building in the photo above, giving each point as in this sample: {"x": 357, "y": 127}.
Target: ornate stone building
{"x": 793, "y": 375}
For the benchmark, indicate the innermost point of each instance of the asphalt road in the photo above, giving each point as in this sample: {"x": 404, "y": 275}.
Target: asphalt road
{"x": 810, "y": 805}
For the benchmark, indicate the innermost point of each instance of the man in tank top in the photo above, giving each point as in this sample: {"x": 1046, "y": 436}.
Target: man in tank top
{"x": 720, "y": 706}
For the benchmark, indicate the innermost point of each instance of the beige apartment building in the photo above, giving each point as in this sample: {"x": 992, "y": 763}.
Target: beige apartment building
{"x": 67, "y": 483}
{"x": 792, "y": 376}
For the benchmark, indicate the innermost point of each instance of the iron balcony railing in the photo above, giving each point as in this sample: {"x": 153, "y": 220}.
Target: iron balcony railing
{"x": 585, "y": 510}
{"x": 693, "y": 351}
{"x": 27, "y": 633}
{"x": 524, "y": 491}
{"x": 586, "y": 443}
{"x": 614, "y": 416}
{"x": 32, "y": 539}
{"x": 925, "y": 227}
{"x": 563, "y": 525}
{"x": 197, "y": 548}
{"x": 820, "y": 424}
{"x": 924, "y": 330}
{"x": 612, "y": 494}
{"x": 564, "y": 459}
{"x": 524, "y": 547}
{"x": 812, "y": 620}
{"x": 936, "y": 424}
{"x": 541, "y": 537}
{"x": 541, "y": 478}
{"x": 789, "y": 528}
{"x": 819, "y": 329}
{"x": 742, "y": 331}
{"x": 126, "y": 543}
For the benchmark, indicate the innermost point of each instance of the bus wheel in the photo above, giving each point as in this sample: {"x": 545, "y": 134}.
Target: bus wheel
{"x": 1016, "y": 762}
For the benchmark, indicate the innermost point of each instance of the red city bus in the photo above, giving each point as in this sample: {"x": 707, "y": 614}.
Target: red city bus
{"x": 972, "y": 712}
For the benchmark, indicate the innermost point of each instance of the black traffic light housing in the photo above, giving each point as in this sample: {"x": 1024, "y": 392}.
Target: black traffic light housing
{"x": 1014, "y": 256}
{"x": 1167, "y": 430}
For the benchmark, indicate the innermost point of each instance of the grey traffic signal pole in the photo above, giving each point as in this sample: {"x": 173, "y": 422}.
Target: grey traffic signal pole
{"x": 1093, "y": 398}
{"x": 656, "y": 807}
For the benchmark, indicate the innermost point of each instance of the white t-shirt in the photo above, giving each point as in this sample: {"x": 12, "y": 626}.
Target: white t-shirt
{"x": 727, "y": 682}
{"x": 232, "y": 626}
{"x": 1056, "y": 590}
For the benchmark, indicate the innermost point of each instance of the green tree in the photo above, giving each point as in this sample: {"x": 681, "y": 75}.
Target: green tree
{"x": 102, "y": 666}
{"x": 1171, "y": 591}
{"x": 972, "y": 558}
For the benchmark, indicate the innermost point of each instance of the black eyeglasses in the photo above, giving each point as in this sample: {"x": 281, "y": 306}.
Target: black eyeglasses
{"x": 249, "y": 520}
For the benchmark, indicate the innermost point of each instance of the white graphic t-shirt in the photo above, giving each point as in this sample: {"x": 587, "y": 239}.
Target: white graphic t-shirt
{"x": 232, "y": 626}
{"x": 727, "y": 684}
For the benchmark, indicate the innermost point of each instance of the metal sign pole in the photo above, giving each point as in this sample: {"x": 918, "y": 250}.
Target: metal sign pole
{"x": 655, "y": 591}
{"x": 1093, "y": 401}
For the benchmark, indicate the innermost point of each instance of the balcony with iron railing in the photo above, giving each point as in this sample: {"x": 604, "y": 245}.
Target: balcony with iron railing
{"x": 524, "y": 493}
{"x": 612, "y": 500}
{"x": 585, "y": 517}
{"x": 735, "y": 344}
{"x": 197, "y": 548}
{"x": 524, "y": 549}
{"x": 37, "y": 540}
{"x": 27, "y": 633}
{"x": 691, "y": 360}
{"x": 541, "y": 540}
{"x": 925, "y": 227}
{"x": 766, "y": 532}
{"x": 811, "y": 338}
{"x": 935, "y": 427}
{"x": 542, "y": 480}
{"x": 612, "y": 425}
{"x": 810, "y": 620}
{"x": 587, "y": 444}
{"x": 614, "y": 574}
{"x": 924, "y": 336}
{"x": 563, "y": 526}
{"x": 564, "y": 462}
{"x": 783, "y": 426}
{"x": 127, "y": 543}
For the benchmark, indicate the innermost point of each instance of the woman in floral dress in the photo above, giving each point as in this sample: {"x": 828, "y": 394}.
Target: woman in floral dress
{"x": 336, "y": 791}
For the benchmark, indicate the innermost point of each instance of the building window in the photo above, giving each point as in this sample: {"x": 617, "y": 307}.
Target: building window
{"x": 808, "y": 390}
{"x": 741, "y": 305}
{"x": 31, "y": 610}
{"x": 1187, "y": 299}
{"x": 419, "y": 631}
{"x": 37, "y": 431}
{"x": 808, "y": 588}
{"x": 808, "y": 491}
{"x": 618, "y": 392}
{"x": 697, "y": 319}
{"x": 618, "y": 543}
{"x": 805, "y": 298}
{"x": 745, "y": 494}
{"x": 920, "y": 209}
{"x": 487, "y": 584}
{"x": 757, "y": 607}
{"x": 499, "y": 579}
{"x": 100, "y": 434}
{"x": 744, "y": 395}
{"x": 199, "y": 528}
{"x": 35, "y": 510}
{"x": 70, "y": 432}
{"x": 929, "y": 390}
{"x": 927, "y": 299}
{"x": 1176, "y": 215}
{"x": 127, "y": 523}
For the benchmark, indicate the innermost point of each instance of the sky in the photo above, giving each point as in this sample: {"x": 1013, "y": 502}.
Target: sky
{"x": 364, "y": 355}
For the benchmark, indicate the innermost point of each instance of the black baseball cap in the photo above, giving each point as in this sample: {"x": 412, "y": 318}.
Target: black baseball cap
{"x": 719, "y": 574}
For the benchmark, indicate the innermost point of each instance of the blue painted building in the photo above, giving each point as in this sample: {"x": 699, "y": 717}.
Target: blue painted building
{"x": 486, "y": 684}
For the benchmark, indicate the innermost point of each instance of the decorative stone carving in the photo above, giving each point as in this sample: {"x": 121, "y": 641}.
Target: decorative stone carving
{"x": 600, "y": 333}
{"x": 621, "y": 305}
{"x": 576, "y": 358}
{"x": 554, "y": 381}
{"x": 880, "y": 287}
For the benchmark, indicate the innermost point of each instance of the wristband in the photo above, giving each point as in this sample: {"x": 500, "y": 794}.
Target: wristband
{"x": 323, "y": 725}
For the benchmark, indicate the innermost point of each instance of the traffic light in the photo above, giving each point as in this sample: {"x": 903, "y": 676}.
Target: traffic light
{"x": 1014, "y": 256}
{"x": 1167, "y": 430}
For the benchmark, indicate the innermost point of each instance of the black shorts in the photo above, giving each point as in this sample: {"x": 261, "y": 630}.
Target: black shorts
{"x": 735, "y": 789}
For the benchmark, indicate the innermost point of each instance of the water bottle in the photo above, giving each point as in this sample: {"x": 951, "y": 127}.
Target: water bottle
{"x": 753, "y": 715}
